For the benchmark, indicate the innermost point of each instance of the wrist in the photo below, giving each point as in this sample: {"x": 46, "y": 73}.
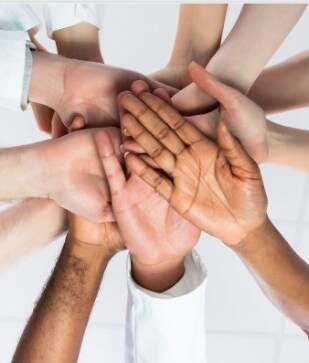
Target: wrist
{"x": 93, "y": 253}
{"x": 47, "y": 79}
{"x": 25, "y": 167}
{"x": 231, "y": 70}
{"x": 160, "y": 276}
{"x": 255, "y": 239}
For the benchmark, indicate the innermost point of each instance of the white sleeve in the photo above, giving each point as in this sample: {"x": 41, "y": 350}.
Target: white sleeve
{"x": 64, "y": 15}
{"x": 168, "y": 327}
{"x": 18, "y": 17}
{"x": 16, "y": 60}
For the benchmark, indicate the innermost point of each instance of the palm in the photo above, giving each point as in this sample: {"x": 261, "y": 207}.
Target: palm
{"x": 210, "y": 200}
{"x": 217, "y": 188}
{"x": 144, "y": 216}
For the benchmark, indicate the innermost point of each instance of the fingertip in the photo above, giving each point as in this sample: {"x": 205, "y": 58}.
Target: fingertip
{"x": 78, "y": 123}
{"x": 139, "y": 86}
{"x": 163, "y": 94}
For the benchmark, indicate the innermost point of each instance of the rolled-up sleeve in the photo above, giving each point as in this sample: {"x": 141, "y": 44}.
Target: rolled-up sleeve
{"x": 60, "y": 16}
{"x": 16, "y": 59}
{"x": 15, "y": 69}
{"x": 168, "y": 327}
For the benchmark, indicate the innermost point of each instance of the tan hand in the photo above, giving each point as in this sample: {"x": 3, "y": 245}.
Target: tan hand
{"x": 219, "y": 189}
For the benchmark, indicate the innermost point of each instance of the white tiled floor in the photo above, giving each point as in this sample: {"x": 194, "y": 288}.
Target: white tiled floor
{"x": 242, "y": 326}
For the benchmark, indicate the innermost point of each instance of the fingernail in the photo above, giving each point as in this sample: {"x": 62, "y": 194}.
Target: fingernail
{"x": 121, "y": 148}
{"x": 126, "y": 154}
{"x": 125, "y": 131}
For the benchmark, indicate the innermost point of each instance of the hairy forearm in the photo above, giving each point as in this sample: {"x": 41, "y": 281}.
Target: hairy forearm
{"x": 199, "y": 33}
{"x": 280, "y": 272}
{"x": 287, "y": 146}
{"x": 80, "y": 41}
{"x": 249, "y": 46}
{"x": 291, "y": 78}
{"x": 54, "y": 332}
{"x": 28, "y": 226}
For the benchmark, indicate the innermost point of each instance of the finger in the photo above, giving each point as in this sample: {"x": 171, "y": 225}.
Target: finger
{"x": 132, "y": 146}
{"x": 154, "y": 85}
{"x": 186, "y": 132}
{"x": 241, "y": 164}
{"x": 58, "y": 128}
{"x": 152, "y": 123}
{"x": 114, "y": 173}
{"x": 78, "y": 123}
{"x": 151, "y": 145}
{"x": 163, "y": 94}
{"x": 208, "y": 83}
{"x": 160, "y": 183}
{"x": 149, "y": 161}
{"x": 139, "y": 86}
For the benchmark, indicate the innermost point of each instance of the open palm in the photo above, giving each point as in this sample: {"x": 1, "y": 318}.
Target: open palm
{"x": 217, "y": 188}
{"x": 150, "y": 226}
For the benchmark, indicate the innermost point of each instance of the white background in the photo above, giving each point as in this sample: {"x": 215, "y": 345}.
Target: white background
{"x": 242, "y": 326}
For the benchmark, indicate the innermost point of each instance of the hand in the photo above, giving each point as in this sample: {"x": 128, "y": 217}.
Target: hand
{"x": 75, "y": 178}
{"x": 217, "y": 188}
{"x": 98, "y": 234}
{"x": 73, "y": 87}
{"x": 156, "y": 235}
{"x": 244, "y": 118}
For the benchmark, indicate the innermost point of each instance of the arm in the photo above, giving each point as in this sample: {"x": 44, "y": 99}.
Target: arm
{"x": 281, "y": 273}
{"x": 245, "y": 52}
{"x": 165, "y": 314}
{"x": 67, "y": 170}
{"x": 287, "y": 146}
{"x": 265, "y": 141}
{"x": 198, "y": 37}
{"x": 56, "y": 328}
{"x": 291, "y": 77}
{"x": 230, "y": 193}
{"x": 28, "y": 226}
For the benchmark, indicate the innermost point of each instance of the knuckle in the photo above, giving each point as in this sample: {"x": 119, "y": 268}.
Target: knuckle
{"x": 179, "y": 123}
{"x": 157, "y": 151}
{"x": 162, "y": 133}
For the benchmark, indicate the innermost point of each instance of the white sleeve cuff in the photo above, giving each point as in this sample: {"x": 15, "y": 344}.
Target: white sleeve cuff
{"x": 60, "y": 16}
{"x": 18, "y": 17}
{"x": 15, "y": 69}
{"x": 168, "y": 327}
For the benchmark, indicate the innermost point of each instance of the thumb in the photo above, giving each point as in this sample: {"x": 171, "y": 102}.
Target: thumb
{"x": 241, "y": 164}
{"x": 207, "y": 83}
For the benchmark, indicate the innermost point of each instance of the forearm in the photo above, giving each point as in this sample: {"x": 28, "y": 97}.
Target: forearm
{"x": 280, "y": 272}
{"x": 28, "y": 226}
{"x": 291, "y": 77}
{"x": 80, "y": 41}
{"x": 21, "y": 173}
{"x": 199, "y": 33}
{"x": 249, "y": 46}
{"x": 54, "y": 332}
{"x": 287, "y": 146}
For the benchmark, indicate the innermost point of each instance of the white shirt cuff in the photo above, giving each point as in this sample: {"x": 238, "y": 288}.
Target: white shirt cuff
{"x": 60, "y": 16}
{"x": 15, "y": 69}
{"x": 168, "y": 327}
